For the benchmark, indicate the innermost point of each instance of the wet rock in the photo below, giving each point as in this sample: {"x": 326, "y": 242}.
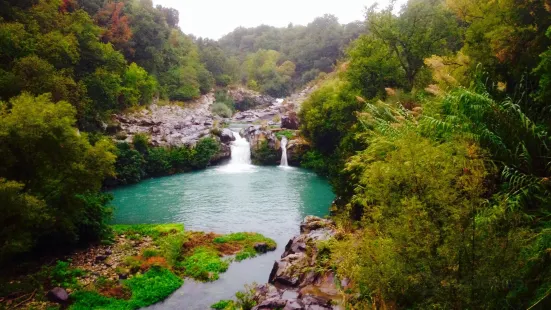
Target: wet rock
{"x": 262, "y": 247}
{"x": 290, "y": 279}
{"x": 312, "y": 223}
{"x": 226, "y": 136}
{"x": 274, "y": 303}
{"x": 290, "y": 121}
{"x": 58, "y": 295}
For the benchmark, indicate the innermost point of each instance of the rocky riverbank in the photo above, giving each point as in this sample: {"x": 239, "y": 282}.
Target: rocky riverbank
{"x": 266, "y": 148}
{"x": 299, "y": 280}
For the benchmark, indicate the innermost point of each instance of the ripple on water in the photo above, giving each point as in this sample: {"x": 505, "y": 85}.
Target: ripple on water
{"x": 268, "y": 200}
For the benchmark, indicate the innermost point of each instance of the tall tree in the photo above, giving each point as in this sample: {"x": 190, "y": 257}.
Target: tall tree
{"x": 423, "y": 28}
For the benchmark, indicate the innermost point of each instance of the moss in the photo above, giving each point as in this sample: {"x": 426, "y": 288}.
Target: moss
{"x": 154, "y": 231}
{"x": 246, "y": 242}
{"x": 289, "y": 134}
{"x": 205, "y": 264}
{"x": 147, "y": 289}
{"x": 223, "y": 305}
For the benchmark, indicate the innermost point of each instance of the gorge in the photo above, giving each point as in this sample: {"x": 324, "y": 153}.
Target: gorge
{"x": 231, "y": 197}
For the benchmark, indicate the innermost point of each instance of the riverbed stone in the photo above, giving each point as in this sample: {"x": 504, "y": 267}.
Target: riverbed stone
{"x": 58, "y": 295}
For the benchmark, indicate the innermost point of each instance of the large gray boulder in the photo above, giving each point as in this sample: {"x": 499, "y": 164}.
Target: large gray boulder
{"x": 226, "y": 136}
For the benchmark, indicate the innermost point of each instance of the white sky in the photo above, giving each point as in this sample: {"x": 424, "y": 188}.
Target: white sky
{"x": 215, "y": 18}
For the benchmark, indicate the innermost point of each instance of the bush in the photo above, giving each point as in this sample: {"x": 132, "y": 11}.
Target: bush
{"x": 64, "y": 276}
{"x": 221, "y": 110}
{"x": 158, "y": 162}
{"x": 129, "y": 166}
{"x": 204, "y": 151}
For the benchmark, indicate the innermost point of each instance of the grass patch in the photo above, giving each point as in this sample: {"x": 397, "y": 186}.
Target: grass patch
{"x": 289, "y": 134}
{"x": 152, "y": 230}
{"x": 147, "y": 289}
{"x": 245, "y": 242}
{"x": 205, "y": 264}
{"x": 223, "y": 305}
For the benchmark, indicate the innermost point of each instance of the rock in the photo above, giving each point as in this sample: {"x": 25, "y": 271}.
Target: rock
{"x": 123, "y": 276}
{"x": 293, "y": 305}
{"x": 101, "y": 258}
{"x": 226, "y": 136}
{"x": 290, "y": 280}
{"x": 290, "y": 121}
{"x": 274, "y": 303}
{"x": 311, "y": 223}
{"x": 58, "y": 295}
{"x": 224, "y": 153}
{"x": 108, "y": 252}
{"x": 262, "y": 247}
{"x": 265, "y": 146}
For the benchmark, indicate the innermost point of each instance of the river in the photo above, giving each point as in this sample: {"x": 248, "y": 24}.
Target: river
{"x": 233, "y": 197}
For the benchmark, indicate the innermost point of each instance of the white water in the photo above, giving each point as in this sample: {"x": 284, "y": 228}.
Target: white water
{"x": 240, "y": 156}
{"x": 284, "y": 162}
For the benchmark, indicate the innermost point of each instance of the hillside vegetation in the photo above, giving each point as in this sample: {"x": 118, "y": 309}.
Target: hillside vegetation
{"x": 435, "y": 135}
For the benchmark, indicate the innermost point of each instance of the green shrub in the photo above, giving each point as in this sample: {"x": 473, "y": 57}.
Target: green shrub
{"x": 158, "y": 162}
{"x": 64, "y": 276}
{"x": 203, "y": 152}
{"x": 223, "y": 305}
{"x": 221, "y": 110}
{"x": 129, "y": 166}
{"x": 265, "y": 155}
{"x": 148, "y": 253}
{"x": 171, "y": 248}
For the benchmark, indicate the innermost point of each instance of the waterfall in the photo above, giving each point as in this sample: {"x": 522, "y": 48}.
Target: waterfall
{"x": 284, "y": 162}
{"x": 240, "y": 151}
{"x": 240, "y": 156}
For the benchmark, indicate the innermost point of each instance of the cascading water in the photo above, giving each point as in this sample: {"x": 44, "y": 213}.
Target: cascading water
{"x": 284, "y": 162}
{"x": 240, "y": 156}
{"x": 240, "y": 151}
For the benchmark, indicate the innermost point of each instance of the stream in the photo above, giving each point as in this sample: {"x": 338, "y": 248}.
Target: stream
{"x": 232, "y": 197}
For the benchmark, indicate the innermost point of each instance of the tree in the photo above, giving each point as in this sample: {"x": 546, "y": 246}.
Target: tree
{"x": 117, "y": 31}
{"x": 423, "y": 28}
{"x": 51, "y": 165}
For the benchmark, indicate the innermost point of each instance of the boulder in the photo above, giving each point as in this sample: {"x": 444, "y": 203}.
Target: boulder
{"x": 290, "y": 279}
{"x": 265, "y": 146}
{"x": 290, "y": 121}
{"x": 226, "y": 136}
{"x": 263, "y": 247}
{"x": 58, "y": 295}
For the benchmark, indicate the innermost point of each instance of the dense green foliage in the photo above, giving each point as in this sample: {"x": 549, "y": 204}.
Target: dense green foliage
{"x": 205, "y": 264}
{"x": 278, "y": 60}
{"x": 153, "y": 286}
{"x": 435, "y": 135}
{"x": 138, "y": 160}
{"x": 50, "y": 176}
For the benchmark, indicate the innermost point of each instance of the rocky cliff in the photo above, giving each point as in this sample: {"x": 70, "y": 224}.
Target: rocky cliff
{"x": 298, "y": 281}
